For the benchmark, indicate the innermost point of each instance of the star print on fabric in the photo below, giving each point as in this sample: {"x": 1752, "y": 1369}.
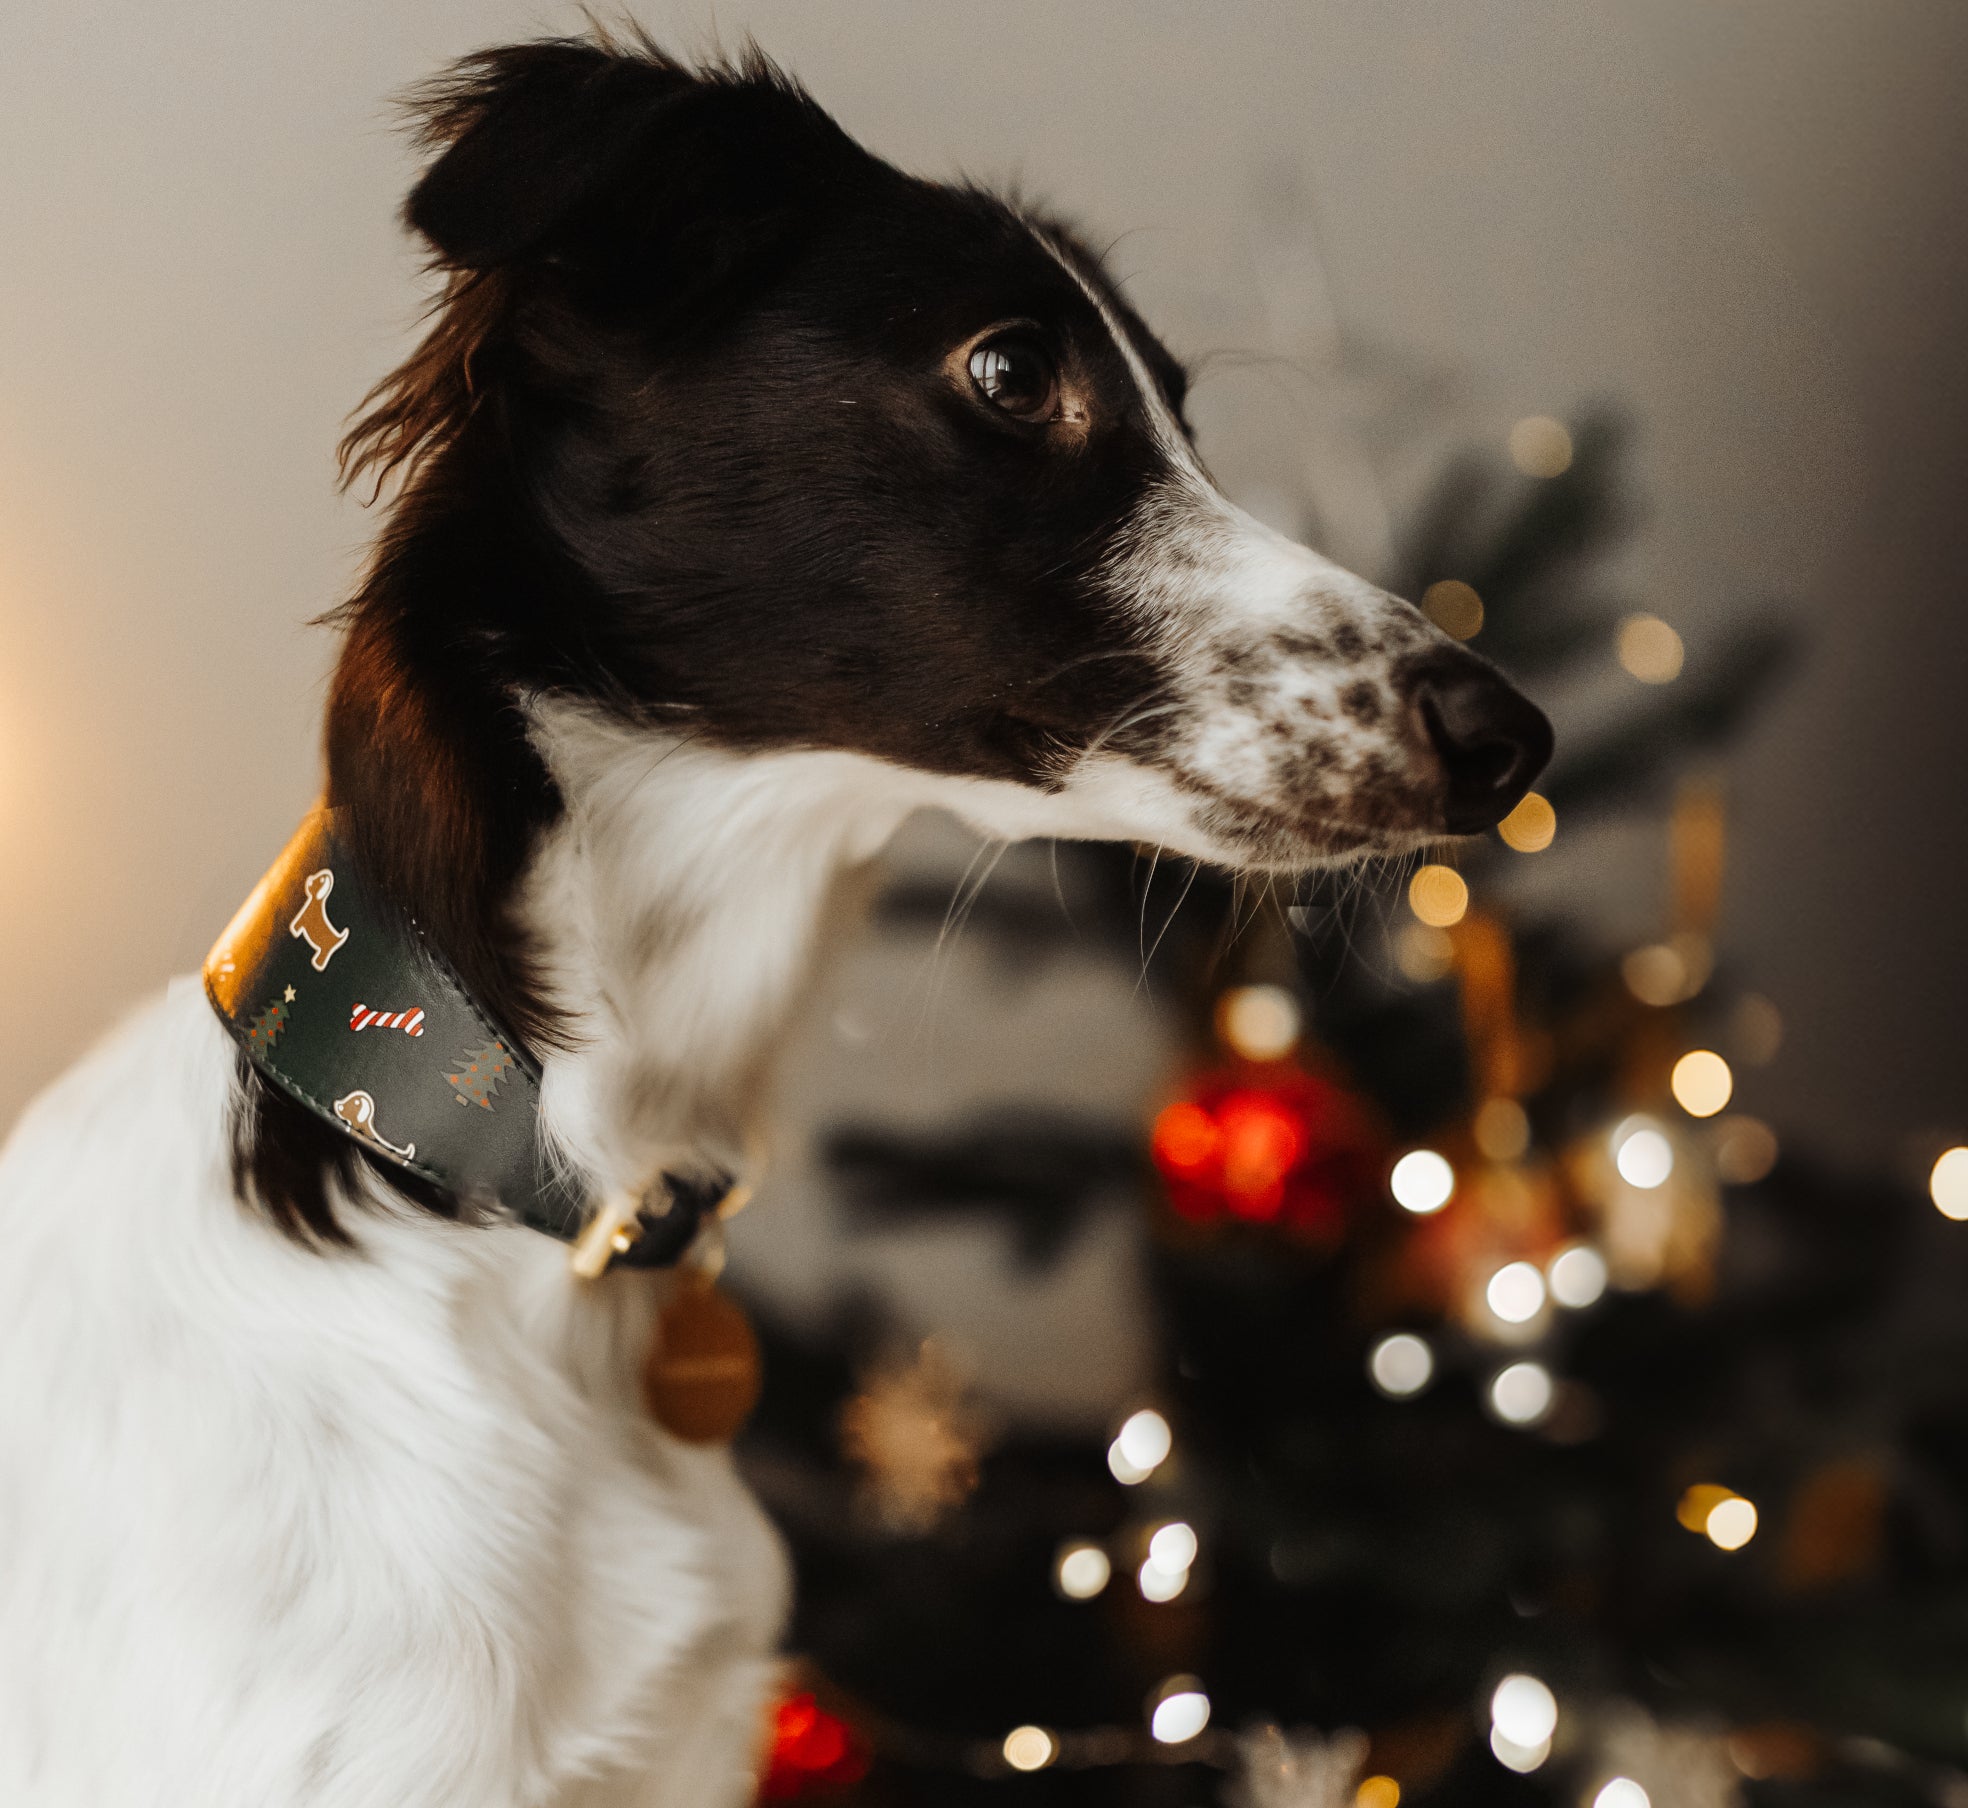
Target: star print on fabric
{"x": 290, "y": 994}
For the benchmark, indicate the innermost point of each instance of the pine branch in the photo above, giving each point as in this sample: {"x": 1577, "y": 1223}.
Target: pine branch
{"x": 1634, "y": 762}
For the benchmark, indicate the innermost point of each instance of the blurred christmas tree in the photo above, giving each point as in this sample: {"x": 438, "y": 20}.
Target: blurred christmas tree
{"x": 1527, "y": 1430}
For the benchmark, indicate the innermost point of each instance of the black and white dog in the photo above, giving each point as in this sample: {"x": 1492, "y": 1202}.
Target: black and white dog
{"x": 753, "y": 495}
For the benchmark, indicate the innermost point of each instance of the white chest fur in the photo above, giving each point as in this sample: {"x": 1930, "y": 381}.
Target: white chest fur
{"x": 387, "y": 1529}
{"x": 391, "y": 1529}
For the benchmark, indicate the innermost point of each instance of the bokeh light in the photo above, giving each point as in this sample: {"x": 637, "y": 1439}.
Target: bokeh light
{"x": 1422, "y": 1182}
{"x": 1529, "y": 828}
{"x": 1720, "y": 1514}
{"x": 1424, "y": 955}
{"x": 1745, "y": 1149}
{"x": 1756, "y": 1030}
{"x": 1173, "y": 1547}
{"x": 1947, "y": 1185}
{"x": 1030, "y": 1748}
{"x": 1454, "y": 608}
{"x": 1650, "y": 650}
{"x": 1438, "y": 896}
{"x": 1261, "y": 1023}
{"x": 1401, "y": 1365}
{"x": 1541, "y": 446}
{"x": 1622, "y": 1792}
{"x": 1377, "y": 1792}
{"x": 1516, "y": 1293}
{"x": 1522, "y": 1393}
{"x": 1653, "y": 974}
{"x": 1642, "y": 1153}
{"x": 1181, "y": 1711}
{"x": 1524, "y": 1710}
{"x": 1502, "y": 1130}
{"x": 1521, "y": 1758}
{"x": 1081, "y": 1570}
{"x": 1158, "y": 1584}
{"x": 1664, "y": 973}
{"x": 1140, "y": 1447}
{"x": 1731, "y": 1523}
{"x": 1577, "y": 1276}
{"x": 1701, "y": 1082}
{"x": 1697, "y": 1502}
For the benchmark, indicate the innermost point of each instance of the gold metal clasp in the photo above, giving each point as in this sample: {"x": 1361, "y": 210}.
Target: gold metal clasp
{"x": 613, "y": 1229}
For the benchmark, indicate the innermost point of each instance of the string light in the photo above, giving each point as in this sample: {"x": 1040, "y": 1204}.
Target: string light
{"x": 1522, "y": 1393}
{"x": 1540, "y": 446}
{"x": 1173, "y": 1546}
{"x": 1521, "y": 1758}
{"x": 1524, "y": 1710}
{"x": 1622, "y": 1792}
{"x": 1261, "y": 1023}
{"x": 1947, "y": 1185}
{"x": 1701, "y": 1082}
{"x": 1530, "y": 827}
{"x": 1453, "y": 607}
{"x": 1516, "y": 1293}
{"x": 1719, "y": 1514}
{"x": 1438, "y": 895}
{"x": 1030, "y": 1748}
{"x": 1697, "y": 1502}
{"x": 1731, "y": 1523}
{"x": 1401, "y": 1365}
{"x": 1171, "y": 1553}
{"x": 1642, "y": 1153}
{"x": 1422, "y": 1182}
{"x": 1140, "y": 1447}
{"x": 1650, "y": 650}
{"x": 1081, "y": 1570}
{"x": 1180, "y": 1713}
{"x": 1523, "y": 1718}
{"x": 1577, "y": 1276}
{"x": 1377, "y": 1792}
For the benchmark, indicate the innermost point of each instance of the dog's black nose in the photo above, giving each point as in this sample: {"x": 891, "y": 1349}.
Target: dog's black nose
{"x": 1491, "y": 741}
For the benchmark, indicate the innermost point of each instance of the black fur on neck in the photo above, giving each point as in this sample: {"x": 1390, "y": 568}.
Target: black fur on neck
{"x": 439, "y": 796}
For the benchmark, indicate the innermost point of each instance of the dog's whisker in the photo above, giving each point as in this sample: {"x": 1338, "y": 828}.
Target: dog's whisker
{"x": 1182, "y": 897}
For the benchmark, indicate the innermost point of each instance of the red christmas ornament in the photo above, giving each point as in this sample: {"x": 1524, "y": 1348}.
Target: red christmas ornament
{"x": 1266, "y": 1144}
{"x": 813, "y": 1754}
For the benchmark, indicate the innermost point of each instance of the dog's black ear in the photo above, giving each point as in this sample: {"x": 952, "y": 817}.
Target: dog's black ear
{"x": 619, "y": 164}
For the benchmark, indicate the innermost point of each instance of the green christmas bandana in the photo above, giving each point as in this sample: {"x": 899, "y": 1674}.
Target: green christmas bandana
{"x": 341, "y": 1001}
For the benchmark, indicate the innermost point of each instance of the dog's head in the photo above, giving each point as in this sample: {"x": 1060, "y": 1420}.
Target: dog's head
{"x": 845, "y": 459}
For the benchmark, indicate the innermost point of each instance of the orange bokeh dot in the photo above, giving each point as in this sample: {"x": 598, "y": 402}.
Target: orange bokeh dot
{"x": 1186, "y": 1139}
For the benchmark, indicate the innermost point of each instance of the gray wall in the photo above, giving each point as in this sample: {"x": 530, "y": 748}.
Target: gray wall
{"x": 1741, "y": 219}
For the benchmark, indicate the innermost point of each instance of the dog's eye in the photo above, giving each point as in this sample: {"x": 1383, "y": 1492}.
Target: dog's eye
{"x": 1016, "y": 373}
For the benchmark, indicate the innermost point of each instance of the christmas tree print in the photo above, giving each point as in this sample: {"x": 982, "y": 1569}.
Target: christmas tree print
{"x": 264, "y": 1031}
{"x": 482, "y": 1074}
